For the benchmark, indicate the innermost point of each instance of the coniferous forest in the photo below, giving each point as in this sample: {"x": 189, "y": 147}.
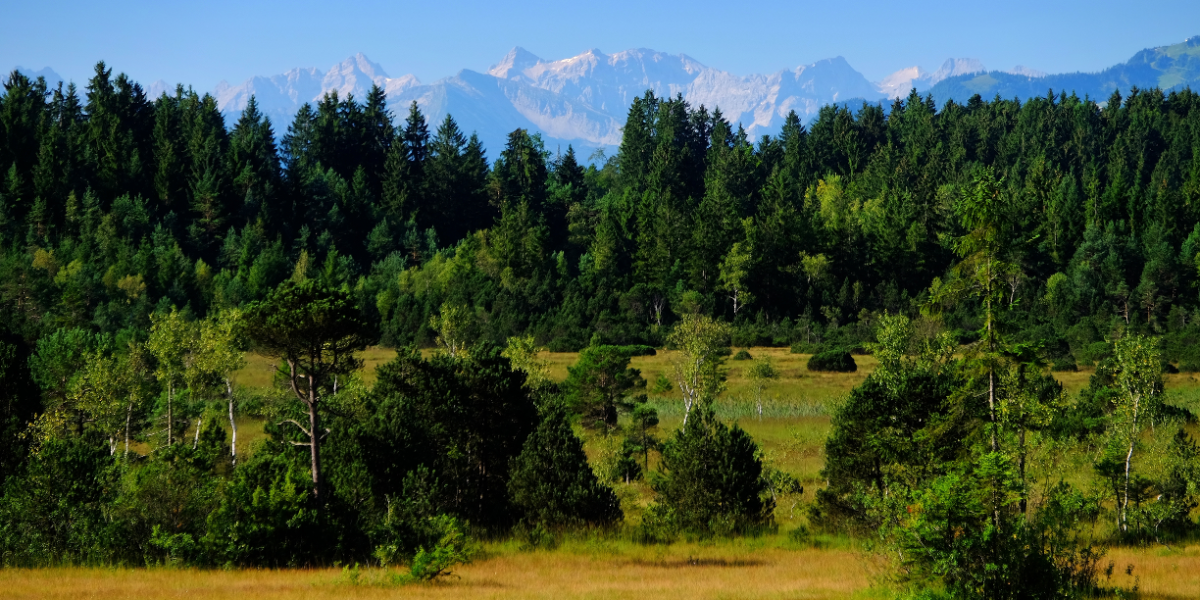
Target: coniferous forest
{"x": 148, "y": 248}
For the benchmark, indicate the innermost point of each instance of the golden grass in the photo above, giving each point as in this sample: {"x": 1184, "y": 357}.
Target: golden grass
{"x": 1161, "y": 573}
{"x": 745, "y": 568}
{"x": 795, "y": 380}
{"x": 1076, "y": 381}
{"x": 682, "y": 571}
{"x": 259, "y": 371}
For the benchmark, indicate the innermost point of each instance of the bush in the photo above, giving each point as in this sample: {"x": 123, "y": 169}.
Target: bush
{"x": 1064, "y": 365}
{"x": 552, "y": 482}
{"x": 266, "y": 516}
{"x": 453, "y": 548}
{"x": 53, "y": 511}
{"x": 837, "y": 361}
{"x": 710, "y": 480}
{"x": 742, "y": 355}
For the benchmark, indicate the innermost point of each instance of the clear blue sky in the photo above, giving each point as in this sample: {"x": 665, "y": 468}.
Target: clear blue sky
{"x": 201, "y": 43}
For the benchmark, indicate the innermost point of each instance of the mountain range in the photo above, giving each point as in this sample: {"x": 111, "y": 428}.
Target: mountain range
{"x": 583, "y": 100}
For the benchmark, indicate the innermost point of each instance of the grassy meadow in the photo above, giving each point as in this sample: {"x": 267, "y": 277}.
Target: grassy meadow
{"x": 791, "y": 431}
{"x": 763, "y": 568}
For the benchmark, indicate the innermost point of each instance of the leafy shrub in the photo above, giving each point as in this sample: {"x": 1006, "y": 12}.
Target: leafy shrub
{"x": 661, "y": 385}
{"x": 266, "y": 515}
{"x": 1064, "y": 365}
{"x": 710, "y": 480}
{"x": 52, "y": 511}
{"x": 552, "y": 482}
{"x": 452, "y": 548}
{"x": 837, "y": 361}
{"x": 742, "y": 355}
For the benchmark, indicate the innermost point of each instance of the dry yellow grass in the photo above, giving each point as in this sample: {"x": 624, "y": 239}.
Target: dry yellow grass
{"x": 1074, "y": 382}
{"x": 738, "y": 569}
{"x": 795, "y": 380}
{"x": 677, "y": 572}
{"x": 260, "y": 370}
{"x": 1161, "y": 573}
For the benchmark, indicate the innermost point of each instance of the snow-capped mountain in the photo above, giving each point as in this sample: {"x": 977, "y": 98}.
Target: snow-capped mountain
{"x": 582, "y": 100}
{"x": 900, "y": 83}
{"x": 280, "y": 96}
{"x": 610, "y": 82}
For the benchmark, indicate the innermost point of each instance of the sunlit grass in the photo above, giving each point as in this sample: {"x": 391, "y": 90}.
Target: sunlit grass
{"x": 587, "y": 568}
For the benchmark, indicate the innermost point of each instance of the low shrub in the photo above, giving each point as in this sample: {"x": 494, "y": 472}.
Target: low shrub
{"x": 836, "y": 361}
{"x": 1064, "y": 365}
{"x": 742, "y": 355}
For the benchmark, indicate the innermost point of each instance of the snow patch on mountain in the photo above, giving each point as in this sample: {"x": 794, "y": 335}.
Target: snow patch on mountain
{"x": 1026, "y": 71}
{"x": 902, "y": 82}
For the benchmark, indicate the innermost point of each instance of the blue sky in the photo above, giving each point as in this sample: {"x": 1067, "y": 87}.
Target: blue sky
{"x": 203, "y": 43}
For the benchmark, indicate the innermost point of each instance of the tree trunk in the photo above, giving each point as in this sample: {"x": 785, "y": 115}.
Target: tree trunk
{"x": 170, "y": 415}
{"x": 992, "y": 404}
{"x": 1021, "y": 468}
{"x": 196, "y": 438}
{"x": 128, "y": 418}
{"x": 1128, "y": 463}
{"x": 314, "y": 438}
{"x": 1125, "y": 502}
{"x": 232, "y": 423}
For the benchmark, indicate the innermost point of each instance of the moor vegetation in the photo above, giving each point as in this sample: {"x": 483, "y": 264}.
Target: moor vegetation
{"x": 973, "y": 251}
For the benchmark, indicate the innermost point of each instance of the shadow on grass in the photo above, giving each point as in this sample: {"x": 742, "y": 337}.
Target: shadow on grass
{"x": 693, "y": 561}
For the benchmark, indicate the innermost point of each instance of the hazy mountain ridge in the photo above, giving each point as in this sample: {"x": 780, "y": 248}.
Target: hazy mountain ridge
{"x": 1167, "y": 67}
{"x": 583, "y": 100}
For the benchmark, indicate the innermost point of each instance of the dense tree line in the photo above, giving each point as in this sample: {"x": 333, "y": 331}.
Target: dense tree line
{"x": 117, "y": 206}
{"x": 145, "y": 245}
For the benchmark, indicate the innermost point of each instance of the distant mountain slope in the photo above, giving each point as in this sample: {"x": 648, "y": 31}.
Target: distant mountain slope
{"x": 584, "y": 100}
{"x": 52, "y": 78}
{"x": 1166, "y": 67}
{"x": 280, "y": 96}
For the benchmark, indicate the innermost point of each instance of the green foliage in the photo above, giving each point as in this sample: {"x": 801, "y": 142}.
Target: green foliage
{"x": 602, "y": 384}
{"x": 742, "y": 355}
{"x": 710, "y": 480}
{"x": 464, "y": 419}
{"x": 317, "y": 331}
{"x": 896, "y": 430}
{"x": 699, "y": 368}
{"x": 838, "y": 361}
{"x": 452, "y": 548}
{"x": 948, "y": 531}
{"x": 552, "y": 483}
{"x": 266, "y": 515}
{"x": 51, "y": 512}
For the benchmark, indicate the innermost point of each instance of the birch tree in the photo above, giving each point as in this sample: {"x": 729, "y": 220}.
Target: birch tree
{"x": 222, "y": 347}
{"x": 1138, "y": 379}
{"x": 171, "y": 342}
{"x": 699, "y": 364}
